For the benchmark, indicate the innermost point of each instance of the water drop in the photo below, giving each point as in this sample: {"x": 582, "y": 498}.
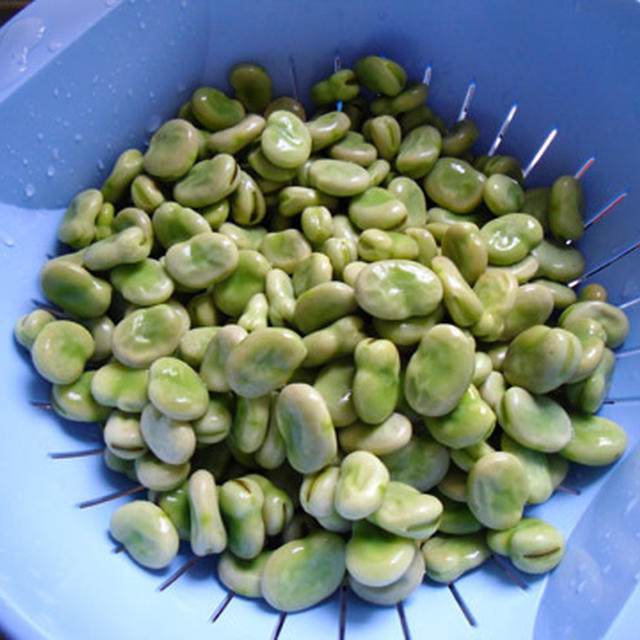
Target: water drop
{"x": 68, "y": 95}
{"x": 184, "y": 4}
{"x": 66, "y": 123}
{"x": 154, "y": 122}
{"x": 16, "y": 44}
{"x": 55, "y": 153}
{"x": 607, "y": 535}
{"x": 8, "y": 240}
{"x": 40, "y": 136}
{"x": 54, "y": 45}
{"x": 152, "y": 95}
{"x": 581, "y": 586}
{"x": 56, "y": 92}
{"x": 78, "y": 137}
{"x": 631, "y": 505}
{"x": 51, "y": 171}
{"x": 606, "y": 568}
{"x": 25, "y": 161}
{"x": 29, "y": 190}
{"x": 100, "y": 164}
{"x": 142, "y": 24}
{"x": 110, "y": 3}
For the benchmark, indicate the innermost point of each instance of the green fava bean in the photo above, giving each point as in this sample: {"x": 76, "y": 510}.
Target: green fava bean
{"x": 460, "y": 138}
{"x": 146, "y": 533}
{"x": 241, "y": 503}
{"x": 536, "y": 546}
{"x": 566, "y": 208}
{"x": 173, "y": 223}
{"x": 471, "y": 421}
{"x": 123, "y": 436}
{"x": 212, "y": 369}
{"x": 175, "y": 504}
{"x": 461, "y": 302}
{"x": 536, "y": 466}
{"x": 177, "y": 390}
{"x": 323, "y": 304}
{"x": 286, "y": 103}
{"x": 589, "y": 394}
{"x": 541, "y": 359}
{"x": 216, "y": 214}
{"x": 285, "y": 249}
{"x": 455, "y": 185}
{"x": 125, "y": 247}
{"x": 422, "y": 463}
{"x": 285, "y": 141}
{"x": 61, "y": 350}
{"x": 71, "y": 287}
{"x": 115, "y": 385}
{"x": 384, "y": 131}
{"x": 214, "y": 110}
{"x": 493, "y": 388}
{"x": 256, "y": 313}
{"x": 503, "y": 194}
{"x": 293, "y": 200}
{"x": 592, "y": 337}
{"x": 233, "y": 139}
{"x": 306, "y": 427}
{"x": 78, "y": 227}
{"x": 248, "y": 206}
{"x": 395, "y": 592}
{"x": 411, "y": 98}
{"x": 343, "y": 85}
{"x": 317, "y": 492}
{"x": 145, "y": 283}
{"x": 336, "y": 340}
{"x": 533, "y": 306}
{"x": 446, "y": 559}
{"x": 351, "y": 272}
{"x": 593, "y": 291}
{"x": 407, "y": 332}
{"x": 523, "y": 270}
{"x": 317, "y": 224}
{"x": 242, "y": 576}
{"x": 104, "y": 221}
{"x": 244, "y": 238}
{"x": 341, "y": 252}
{"x": 264, "y": 361}
{"x": 147, "y": 334}
{"x": 466, "y": 457}
{"x": 411, "y": 195}
{"x": 419, "y": 152}
{"x": 74, "y": 401}
{"x": 170, "y": 440}
{"x": 251, "y": 85}
{"x": 232, "y": 294}
{"x": 361, "y": 485}
{"x": 101, "y": 330}
{"x": 128, "y": 165}
{"x": 381, "y": 75}
{"x": 596, "y": 441}
{"x": 267, "y": 170}
{"x": 250, "y": 423}
{"x": 482, "y": 368}
{"x": 465, "y": 246}
{"x": 376, "y": 381}
{"x": 407, "y": 512}
{"x": 285, "y": 583}
{"x": 145, "y": 194}
{"x": 381, "y": 439}
{"x": 214, "y": 426}
{"x": 440, "y": 371}
{"x": 397, "y": 289}
{"x": 375, "y": 245}
{"x": 334, "y": 382}
{"x": 207, "y": 531}
{"x": 202, "y": 260}
{"x": 536, "y": 204}
{"x": 172, "y": 150}
{"x": 280, "y": 296}
{"x": 506, "y": 165}
{"x": 375, "y": 557}
{"x": 558, "y": 263}
{"x": 379, "y": 170}
{"x": 208, "y": 181}
{"x": 511, "y": 237}
{"x": 339, "y": 177}
{"x": 456, "y": 518}
{"x": 419, "y": 115}
{"x": 613, "y": 320}
{"x": 194, "y": 343}
{"x": 497, "y": 290}
{"x": 354, "y": 148}
{"x": 497, "y": 490}
{"x": 118, "y": 465}
{"x": 454, "y": 485}
{"x": 328, "y": 129}
{"x": 28, "y": 327}
{"x": 277, "y": 508}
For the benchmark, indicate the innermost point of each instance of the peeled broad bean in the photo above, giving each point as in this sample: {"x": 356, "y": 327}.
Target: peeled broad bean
{"x": 446, "y": 559}
{"x": 28, "y": 327}
{"x": 74, "y": 401}
{"x": 595, "y": 441}
{"x": 242, "y": 576}
{"x": 78, "y": 227}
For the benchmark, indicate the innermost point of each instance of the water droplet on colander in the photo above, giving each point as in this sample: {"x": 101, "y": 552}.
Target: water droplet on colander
{"x": 152, "y": 95}
{"x": 110, "y": 3}
{"x": 606, "y": 569}
{"x": 184, "y": 4}
{"x": 54, "y": 45}
{"x": 29, "y": 190}
{"x": 55, "y": 153}
{"x": 8, "y": 240}
{"x": 78, "y": 137}
{"x": 51, "y": 171}
{"x": 100, "y": 164}
{"x": 142, "y": 24}
{"x": 40, "y": 136}
{"x": 56, "y": 92}
{"x": 631, "y": 505}
{"x": 16, "y": 44}
{"x": 68, "y": 95}
{"x": 581, "y": 586}
{"x": 25, "y": 161}
{"x": 607, "y": 535}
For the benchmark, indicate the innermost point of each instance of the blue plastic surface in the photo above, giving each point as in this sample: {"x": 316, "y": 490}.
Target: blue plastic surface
{"x": 79, "y": 81}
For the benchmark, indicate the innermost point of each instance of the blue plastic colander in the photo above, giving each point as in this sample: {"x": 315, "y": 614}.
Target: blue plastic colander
{"x": 82, "y": 79}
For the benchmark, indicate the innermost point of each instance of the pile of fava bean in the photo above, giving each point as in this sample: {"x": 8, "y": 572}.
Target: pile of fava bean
{"x": 332, "y": 349}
